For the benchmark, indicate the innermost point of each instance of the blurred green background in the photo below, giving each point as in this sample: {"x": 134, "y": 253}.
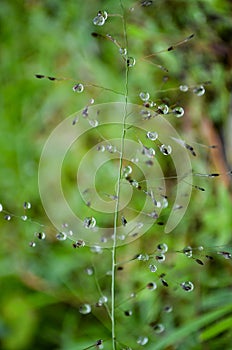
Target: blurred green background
{"x": 42, "y": 288}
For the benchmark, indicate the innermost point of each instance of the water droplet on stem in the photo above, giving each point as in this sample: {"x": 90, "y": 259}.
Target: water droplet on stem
{"x": 85, "y": 309}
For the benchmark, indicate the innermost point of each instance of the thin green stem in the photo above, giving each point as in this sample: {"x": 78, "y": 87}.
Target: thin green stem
{"x": 114, "y": 247}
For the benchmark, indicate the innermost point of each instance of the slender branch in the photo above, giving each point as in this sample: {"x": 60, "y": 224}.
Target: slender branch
{"x": 114, "y": 247}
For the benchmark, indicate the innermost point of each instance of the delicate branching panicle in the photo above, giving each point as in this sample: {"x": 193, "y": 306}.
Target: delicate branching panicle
{"x": 117, "y": 182}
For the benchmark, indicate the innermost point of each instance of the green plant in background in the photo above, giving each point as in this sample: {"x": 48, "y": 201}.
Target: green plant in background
{"x": 122, "y": 287}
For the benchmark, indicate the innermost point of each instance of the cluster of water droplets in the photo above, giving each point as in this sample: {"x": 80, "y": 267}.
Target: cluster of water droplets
{"x": 159, "y": 256}
{"x": 38, "y": 235}
{"x": 127, "y": 170}
{"x": 142, "y": 340}
{"x": 85, "y": 114}
{"x": 198, "y": 90}
{"x": 107, "y": 148}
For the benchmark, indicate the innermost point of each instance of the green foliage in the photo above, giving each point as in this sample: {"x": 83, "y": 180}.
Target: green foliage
{"x": 43, "y": 288}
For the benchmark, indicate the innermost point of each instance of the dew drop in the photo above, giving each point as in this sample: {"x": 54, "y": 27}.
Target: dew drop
{"x": 135, "y": 160}
{"x": 27, "y": 205}
{"x": 127, "y": 170}
{"x": 152, "y": 268}
{"x": 153, "y": 215}
{"x": 102, "y": 300}
{"x": 166, "y": 150}
{"x": 145, "y": 113}
{"x": 121, "y": 237}
{"x": 164, "y": 203}
{"x": 146, "y": 3}
{"x": 79, "y": 244}
{"x": 158, "y": 328}
{"x": 144, "y": 96}
{"x": 89, "y": 271}
{"x": 89, "y": 222}
{"x": 78, "y": 88}
{"x": 168, "y": 309}
{"x": 150, "y": 153}
{"x": 32, "y": 244}
{"x": 85, "y": 112}
{"x": 133, "y": 295}
{"x": 101, "y": 148}
{"x": 134, "y": 183}
{"x": 103, "y": 13}
{"x": 85, "y": 309}
{"x": 130, "y": 61}
{"x": 183, "y": 88}
{"x": 99, "y": 20}
{"x": 142, "y": 340}
{"x": 96, "y": 249}
{"x": 158, "y": 204}
{"x": 99, "y": 344}
{"x": 93, "y": 123}
{"x": 199, "y": 90}
{"x": 61, "y": 236}
{"x": 7, "y": 217}
{"x": 1, "y": 207}
{"x": 123, "y": 51}
{"x": 160, "y": 258}
{"x": 24, "y": 217}
{"x": 149, "y": 104}
{"x": 178, "y": 112}
{"x": 162, "y": 248}
{"x": 151, "y": 286}
{"x": 124, "y": 221}
{"x": 152, "y": 135}
{"x": 40, "y": 235}
{"x": 143, "y": 257}
{"x": 188, "y": 251}
{"x": 139, "y": 225}
{"x": 104, "y": 239}
{"x": 163, "y": 109}
{"x": 178, "y": 206}
{"x": 111, "y": 148}
{"x": 225, "y": 255}
{"x": 187, "y": 286}
{"x": 128, "y": 313}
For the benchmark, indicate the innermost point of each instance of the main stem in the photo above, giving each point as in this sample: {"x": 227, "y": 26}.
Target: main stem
{"x": 114, "y": 247}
